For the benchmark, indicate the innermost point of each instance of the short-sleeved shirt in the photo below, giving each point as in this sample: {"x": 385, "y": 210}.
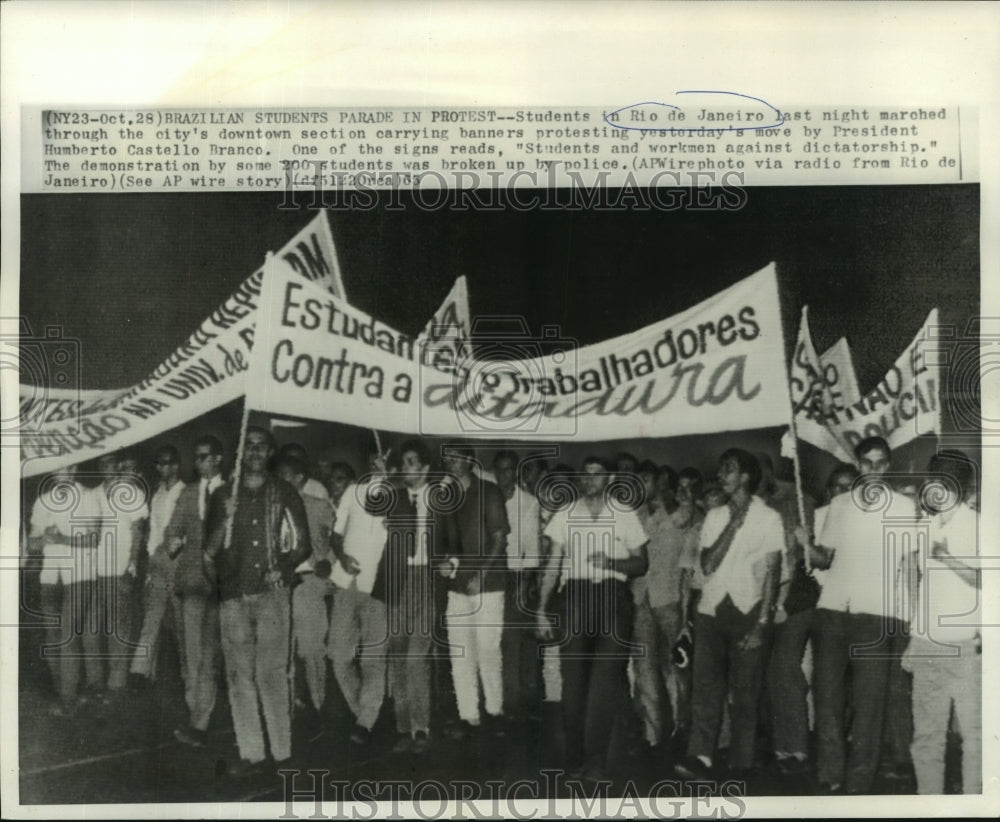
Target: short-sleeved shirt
{"x": 364, "y": 538}
{"x": 742, "y": 571}
{"x": 524, "y": 517}
{"x": 67, "y": 563}
{"x": 672, "y": 549}
{"x": 468, "y": 535}
{"x": 953, "y": 607}
{"x": 121, "y": 505}
{"x": 576, "y": 534}
{"x": 856, "y": 580}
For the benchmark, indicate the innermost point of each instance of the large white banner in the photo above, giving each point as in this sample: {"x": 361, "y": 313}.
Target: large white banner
{"x": 718, "y": 366}
{"x": 831, "y": 414}
{"x": 63, "y": 427}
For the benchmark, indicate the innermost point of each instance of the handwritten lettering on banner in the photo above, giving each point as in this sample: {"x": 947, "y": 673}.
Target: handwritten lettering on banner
{"x": 815, "y": 396}
{"x": 208, "y": 370}
{"x": 833, "y": 416}
{"x": 715, "y": 367}
{"x": 906, "y": 402}
{"x": 838, "y": 371}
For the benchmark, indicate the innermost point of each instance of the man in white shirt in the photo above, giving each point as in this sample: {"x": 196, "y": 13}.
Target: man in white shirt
{"x": 863, "y": 544}
{"x": 308, "y": 487}
{"x": 310, "y": 596}
{"x": 358, "y": 619}
{"x": 196, "y": 599}
{"x": 741, "y": 547}
{"x": 519, "y": 644}
{"x": 597, "y": 547}
{"x": 159, "y": 586}
{"x": 945, "y": 652}
{"x": 122, "y": 498}
{"x": 64, "y": 527}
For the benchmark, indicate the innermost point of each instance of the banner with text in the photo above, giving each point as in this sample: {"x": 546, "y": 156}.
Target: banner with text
{"x": 718, "y": 366}
{"x": 838, "y": 371}
{"x": 906, "y": 402}
{"x": 63, "y": 427}
{"x": 831, "y": 414}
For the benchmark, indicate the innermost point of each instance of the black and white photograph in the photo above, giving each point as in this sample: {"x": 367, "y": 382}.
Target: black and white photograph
{"x": 408, "y": 609}
{"x": 508, "y": 410}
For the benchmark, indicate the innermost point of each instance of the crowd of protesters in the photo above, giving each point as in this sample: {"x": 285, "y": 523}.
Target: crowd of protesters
{"x": 735, "y": 622}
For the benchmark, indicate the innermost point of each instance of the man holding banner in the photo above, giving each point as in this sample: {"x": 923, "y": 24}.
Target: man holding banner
{"x": 257, "y": 538}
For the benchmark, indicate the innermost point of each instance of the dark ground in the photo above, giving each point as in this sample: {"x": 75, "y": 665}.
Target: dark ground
{"x": 124, "y": 751}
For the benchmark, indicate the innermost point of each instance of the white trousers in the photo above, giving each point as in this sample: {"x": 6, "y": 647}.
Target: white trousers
{"x": 475, "y": 625}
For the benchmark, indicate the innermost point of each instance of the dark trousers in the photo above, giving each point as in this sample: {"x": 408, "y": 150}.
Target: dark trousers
{"x": 897, "y": 735}
{"x": 519, "y": 648}
{"x": 787, "y": 688}
{"x": 861, "y": 644}
{"x": 720, "y": 664}
{"x": 411, "y": 616}
{"x": 594, "y": 660}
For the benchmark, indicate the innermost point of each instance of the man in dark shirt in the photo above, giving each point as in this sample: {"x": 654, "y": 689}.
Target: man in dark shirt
{"x": 256, "y": 541}
{"x": 470, "y": 553}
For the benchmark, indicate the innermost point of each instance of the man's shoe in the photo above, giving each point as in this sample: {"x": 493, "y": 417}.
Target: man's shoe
{"x": 138, "y": 684}
{"x": 496, "y": 725}
{"x": 242, "y": 769}
{"x": 421, "y": 742}
{"x": 692, "y": 767}
{"x": 830, "y": 789}
{"x": 404, "y": 744}
{"x": 792, "y": 765}
{"x": 462, "y": 731}
{"x": 361, "y": 736}
{"x": 190, "y": 736}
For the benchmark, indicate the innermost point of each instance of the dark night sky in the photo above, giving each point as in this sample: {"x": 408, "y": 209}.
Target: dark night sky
{"x": 132, "y": 275}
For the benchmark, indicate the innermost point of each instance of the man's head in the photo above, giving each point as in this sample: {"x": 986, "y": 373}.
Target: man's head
{"x": 505, "y": 470}
{"x": 258, "y": 448}
{"x": 324, "y": 466}
{"x": 766, "y": 464}
{"x": 414, "y": 462}
{"x": 207, "y": 456}
{"x": 689, "y": 484}
{"x": 739, "y": 471}
{"x": 625, "y": 463}
{"x": 648, "y": 474}
{"x": 596, "y": 476}
{"x": 666, "y": 484}
{"x": 458, "y": 460}
{"x": 873, "y": 456}
{"x": 291, "y": 469}
{"x": 952, "y": 474}
{"x": 107, "y": 466}
{"x": 841, "y": 479}
{"x": 128, "y": 462}
{"x": 167, "y": 462}
{"x": 341, "y": 475}
{"x": 293, "y": 449}
{"x": 532, "y": 470}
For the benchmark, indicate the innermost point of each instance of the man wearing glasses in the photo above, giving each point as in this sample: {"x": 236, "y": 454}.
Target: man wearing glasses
{"x": 195, "y": 599}
{"x": 160, "y": 578}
